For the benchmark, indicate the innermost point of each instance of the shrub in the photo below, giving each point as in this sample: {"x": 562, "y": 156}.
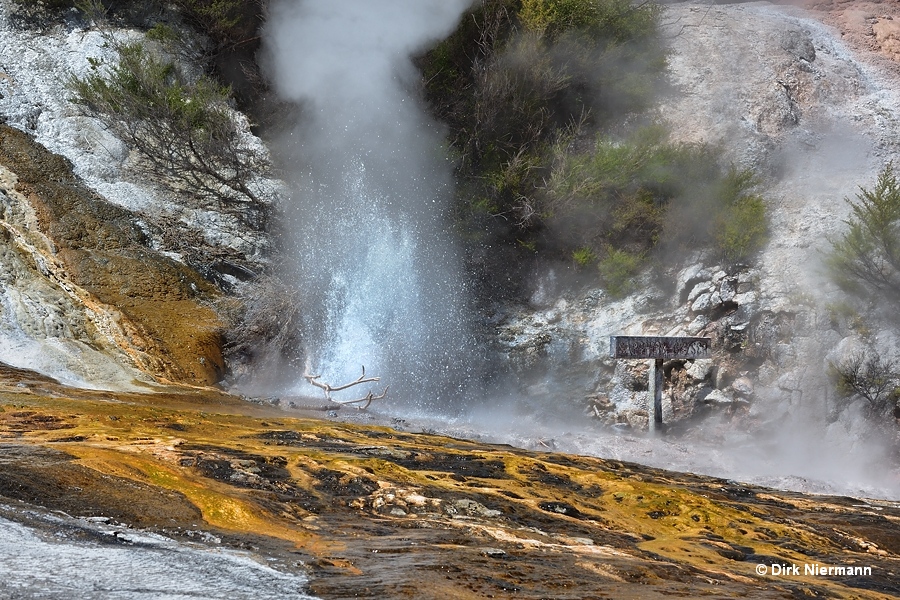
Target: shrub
{"x": 869, "y": 377}
{"x": 618, "y": 269}
{"x": 623, "y": 192}
{"x": 228, "y": 23}
{"x": 614, "y": 20}
{"x": 866, "y": 258}
{"x": 182, "y": 128}
{"x": 583, "y": 256}
{"x": 740, "y": 223}
{"x": 517, "y": 75}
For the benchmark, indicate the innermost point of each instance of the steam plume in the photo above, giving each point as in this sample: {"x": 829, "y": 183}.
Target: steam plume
{"x": 381, "y": 276}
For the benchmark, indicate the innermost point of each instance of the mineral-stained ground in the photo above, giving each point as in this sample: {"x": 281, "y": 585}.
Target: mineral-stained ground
{"x": 371, "y": 512}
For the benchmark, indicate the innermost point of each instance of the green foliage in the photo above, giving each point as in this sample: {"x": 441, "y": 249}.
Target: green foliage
{"x": 866, "y": 259}
{"x": 870, "y": 377}
{"x": 515, "y": 76}
{"x": 740, "y": 223}
{"x": 615, "y": 20}
{"x": 583, "y": 256}
{"x": 227, "y": 22}
{"x": 620, "y": 192}
{"x": 163, "y": 34}
{"x": 634, "y": 193}
{"x": 645, "y": 159}
{"x": 181, "y": 126}
{"x": 618, "y": 270}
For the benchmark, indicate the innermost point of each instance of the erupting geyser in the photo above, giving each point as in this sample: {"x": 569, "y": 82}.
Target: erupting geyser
{"x": 382, "y": 279}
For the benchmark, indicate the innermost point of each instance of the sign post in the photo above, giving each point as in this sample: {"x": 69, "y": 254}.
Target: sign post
{"x": 657, "y": 349}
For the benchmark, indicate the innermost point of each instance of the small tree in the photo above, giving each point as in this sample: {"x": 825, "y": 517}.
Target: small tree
{"x": 870, "y": 377}
{"x": 182, "y": 127}
{"x": 866, "y": 258}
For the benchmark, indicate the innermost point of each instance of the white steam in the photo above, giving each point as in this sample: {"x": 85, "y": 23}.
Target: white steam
{"x": 381, "y": 278}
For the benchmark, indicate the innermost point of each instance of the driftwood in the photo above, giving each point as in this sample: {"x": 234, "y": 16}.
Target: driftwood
{"x": 365, "y": 401}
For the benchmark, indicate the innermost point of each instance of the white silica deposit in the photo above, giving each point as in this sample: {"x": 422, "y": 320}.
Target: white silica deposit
{"x": 77, "y": 558}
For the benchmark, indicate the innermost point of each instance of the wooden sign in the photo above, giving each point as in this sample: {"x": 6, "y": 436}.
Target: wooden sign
{"x": 665, "y": 348}
{"x": 657, "y": 349}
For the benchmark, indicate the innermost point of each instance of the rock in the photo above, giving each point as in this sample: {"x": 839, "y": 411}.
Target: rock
{"x": 698, "y": 324}
{"x": 728, "y": 289}
{"x": 846, "y": 349}
{"x": 702, "y": 303}
{"x": 493, "y": 552}
{"x": 743, "y": 386}
{"x": 887, "y": 34}
{"x": 472, "y": 509}
{"x": 698, "y": 289}
{"x": 689, "y": 276}
{"x": 718, "y": 397}
{"x": 700, "y": 369}
{"x": 799, "y": 44}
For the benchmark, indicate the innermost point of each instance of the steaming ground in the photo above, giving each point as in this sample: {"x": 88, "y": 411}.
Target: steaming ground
{"x": 776, "y": 90}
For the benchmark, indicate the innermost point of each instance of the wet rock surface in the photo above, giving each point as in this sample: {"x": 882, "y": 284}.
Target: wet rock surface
{"x": 84, "y": 279}
{"x": 52, "y": 555}
{"x": 376, "y": 512}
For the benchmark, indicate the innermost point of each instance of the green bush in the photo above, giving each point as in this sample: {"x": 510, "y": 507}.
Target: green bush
{"x": 616, "y": 21}
{"x": 644, "y": 159}
{"x": 583, "y": 256}
{"x": 740, "y": 224}
{"x": 867, "y": 376}
{"x": 618, "y": 270}
{"x": 182, "y": 128}
{"x": 622, "y": 192}
{"x": 516, "y": 75}
{"x": 228, "y": 23}
{"x": 866, "y": 258}
{"x": 560, "y": 15}
{"x": 634, "y": 193}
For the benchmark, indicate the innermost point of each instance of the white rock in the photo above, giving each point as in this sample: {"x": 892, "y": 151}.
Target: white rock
{"x": 718, "y": 397}
{"x": 698, "y": 324}
{"x": 700, "y": 288}
{"x": 702, "y": 303}
{"x": 743, "y": 386}
{"x": 699, "y": 370}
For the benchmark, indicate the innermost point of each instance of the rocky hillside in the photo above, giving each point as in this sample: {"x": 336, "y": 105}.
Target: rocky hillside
{"x": 113, "y": 278}
{"x": 775, "y": 89}
{"x": 116, "y": 288}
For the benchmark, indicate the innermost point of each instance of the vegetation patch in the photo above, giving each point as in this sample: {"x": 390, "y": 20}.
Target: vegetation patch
{"x": 865, "y": 260}
{"x": 536, "y": 93}
{"x": 182, "y": 126}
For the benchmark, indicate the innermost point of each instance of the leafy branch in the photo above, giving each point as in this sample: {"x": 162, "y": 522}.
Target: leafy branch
{"x": 182, "y": 127}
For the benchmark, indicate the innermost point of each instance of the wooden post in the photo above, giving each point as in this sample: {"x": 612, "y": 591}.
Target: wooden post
{"x": 657, "y": 349}
{"x": 654, "y": 400}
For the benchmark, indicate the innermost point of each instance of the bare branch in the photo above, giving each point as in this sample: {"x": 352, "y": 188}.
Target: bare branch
{"x": 328, "y": 388}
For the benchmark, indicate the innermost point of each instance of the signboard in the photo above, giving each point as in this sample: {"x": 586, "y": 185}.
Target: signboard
{"x": 655, "y": 347}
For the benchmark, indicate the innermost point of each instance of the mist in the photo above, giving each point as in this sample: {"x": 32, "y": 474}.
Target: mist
{"x": 381, "y": 280}
{"x": 380, "y": 276}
